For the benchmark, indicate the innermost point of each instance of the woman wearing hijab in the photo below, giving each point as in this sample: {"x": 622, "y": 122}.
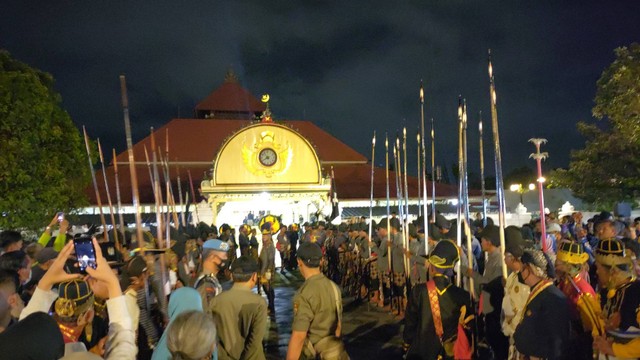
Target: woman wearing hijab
{"x": 182, "y": 300}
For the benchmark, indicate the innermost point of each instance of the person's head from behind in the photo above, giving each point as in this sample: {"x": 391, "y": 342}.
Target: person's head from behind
{"x": 74, "y": 306}
{"x": 10, "y": 302}
{"x": 19, "y": 262}
{"x": 10, "y": 241}
{"x": 245, "y": 270}
{"x": 191, "y": 336}
{"x": 309, "y": 258}
{"x": 137, "y": 272}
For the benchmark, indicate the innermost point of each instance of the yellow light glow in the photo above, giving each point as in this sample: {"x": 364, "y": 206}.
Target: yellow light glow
{"x": 515, "y": 187}
{"x": 541, "y": 179}
{"x": 532, "y": 187}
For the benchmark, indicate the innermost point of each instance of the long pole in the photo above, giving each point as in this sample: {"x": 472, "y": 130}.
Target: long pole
{"x": 151, "y": 178}
{"x": 467, "y": 232}
{"x": 498, "y": 163}
{"x": 425, "y": 211}
{"x": 419, "y": 157}
{"x": 482, "y": 184}
{"x": 465, "y": 192}
{"x": 95, "y": 184}
{"x": 118, "y": 198}
{"x": 386, "y": 145}
{"x": 399, "y": 191}
{"x": 106, "y": 187}
{"x": 132, "y": 165}
{"x": 193, "y": 196}
{"x": 386, "y": 156}
{"x": 433, "y": 173}
{"x": 539, "y": 156}
{"x": 459, "y": 212}
{"x": 158, "y": 192}
{"x": 373, "y": 157}
{"x": 180, "y": 199}
{"x": 405, "y": 224}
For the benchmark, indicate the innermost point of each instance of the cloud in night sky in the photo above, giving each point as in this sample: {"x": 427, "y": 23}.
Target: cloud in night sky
{"x": 351, "y": 67}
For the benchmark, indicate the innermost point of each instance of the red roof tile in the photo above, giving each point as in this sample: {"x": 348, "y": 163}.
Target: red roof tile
{"x": 231, "y": 97}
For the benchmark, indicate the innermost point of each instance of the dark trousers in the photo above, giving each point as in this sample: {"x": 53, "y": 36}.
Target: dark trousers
{"x": 496, "y": 339}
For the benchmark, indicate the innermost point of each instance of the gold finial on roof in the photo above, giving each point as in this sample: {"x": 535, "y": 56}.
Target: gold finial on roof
{"x": 230, "y": 76}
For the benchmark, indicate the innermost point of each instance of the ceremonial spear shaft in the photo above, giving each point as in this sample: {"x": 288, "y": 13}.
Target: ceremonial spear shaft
{"x": 386, "y": 146}
{"x": 405, "y": 225}
{"x": 95, "y": 184}
{"x": 498, "y": 163}
{"x": 425, "y": 212}
{"x": 419, "y": 175}
{"x": 460, "y": 191}
{"x": 373, "y": 154}
{"x": 115, "y": 172}
{"x": 132, "y": 165}
{"x": 433, "y": 172}
{"x": 539, "y": 156}
{"x": 482, "y": 185}
{"x": 156, "y": 185}
{"x": 106, "y": 187}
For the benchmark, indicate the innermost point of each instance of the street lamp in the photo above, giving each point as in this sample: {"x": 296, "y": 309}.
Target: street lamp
{"x": 521, "y": 190}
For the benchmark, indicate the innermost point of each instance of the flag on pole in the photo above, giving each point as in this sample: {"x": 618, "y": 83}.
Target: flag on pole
{"x": 335, "y": 210}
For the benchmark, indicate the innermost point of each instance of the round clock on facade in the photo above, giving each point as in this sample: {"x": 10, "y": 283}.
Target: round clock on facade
{"x": 267, "y": 157}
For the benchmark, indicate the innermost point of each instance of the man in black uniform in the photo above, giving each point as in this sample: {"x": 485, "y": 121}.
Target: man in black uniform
{"x": 434, "y": 311}
{"x": 546, "y": 323}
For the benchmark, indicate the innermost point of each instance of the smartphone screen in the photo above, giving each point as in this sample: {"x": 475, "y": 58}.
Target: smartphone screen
{"x": 85, "y": 253}
{"x": 60, "y": 216}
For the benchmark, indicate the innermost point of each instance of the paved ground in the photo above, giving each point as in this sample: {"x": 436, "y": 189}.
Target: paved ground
{"x": 369, "y": 332}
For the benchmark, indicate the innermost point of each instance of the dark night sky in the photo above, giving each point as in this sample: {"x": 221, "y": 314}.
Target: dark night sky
{"x": 350, "y": 67}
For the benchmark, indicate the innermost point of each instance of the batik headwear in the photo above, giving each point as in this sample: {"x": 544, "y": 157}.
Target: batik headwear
{"x": 444, "y": 255}
{"x": 74, "y": 298}
{"x": 611, "y": 253}
{"x": 537, "y": 261}
{"x": 572, "y": 253}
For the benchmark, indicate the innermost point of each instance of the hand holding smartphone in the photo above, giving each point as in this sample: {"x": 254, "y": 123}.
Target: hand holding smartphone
{"x": 85, "y": 253}
{"x": 60, "y": 217}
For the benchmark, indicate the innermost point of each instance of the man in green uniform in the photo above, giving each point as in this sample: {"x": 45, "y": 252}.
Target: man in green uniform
{"x": 317, "y": 311}
{"x": 240, "y": 315}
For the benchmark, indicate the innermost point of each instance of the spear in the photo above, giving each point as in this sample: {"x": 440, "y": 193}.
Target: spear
{"x": 433, "y": 172}
{"x": 465, "y": 192}
{"x": 193, "y": 196}
{"x": 467, "y": 232}
{"x": 115, "y": 172}
{"x": 539, "y": 156}
{"x": 425, "y": 212}
{"x": 405, "y": 224}
{"x": 460, "y": 189}
{"x": 132, "y": 165}
{"x": 386, "y": 146}
{"x": 153, "y": 183}
{"x": 484, "y": 200}
{"x": 498, "y": 163}
{"x": 373, "y": 153}
{"x": 419, "y": 177}
{"x": 95, "y": 184}
{"x": 182, "y": 215}
{"x": 158, "y": 192}
{"x": 106, "y": 187}
{"x": 171, "y": 202}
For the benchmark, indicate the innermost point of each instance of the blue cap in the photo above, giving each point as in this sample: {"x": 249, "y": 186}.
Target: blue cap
{"x": 216, "y": 245}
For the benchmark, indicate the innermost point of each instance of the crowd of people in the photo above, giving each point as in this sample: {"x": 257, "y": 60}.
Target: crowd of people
{"x": 570, "y": 295}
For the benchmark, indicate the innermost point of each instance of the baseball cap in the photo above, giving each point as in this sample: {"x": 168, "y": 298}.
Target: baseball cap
{"x": 216, "y": 245}
{"x": 46, "y": 254}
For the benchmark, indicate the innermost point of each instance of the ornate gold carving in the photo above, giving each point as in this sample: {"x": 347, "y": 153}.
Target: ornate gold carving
{"x": 251, "y": 153}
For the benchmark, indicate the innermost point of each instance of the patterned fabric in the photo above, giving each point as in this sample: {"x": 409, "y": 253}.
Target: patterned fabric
{"x": 435, "y": 308}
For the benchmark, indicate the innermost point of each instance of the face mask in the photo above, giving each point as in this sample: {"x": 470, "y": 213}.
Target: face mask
{"x": 223, "y": 265}
{"x": 29, "y": 278}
